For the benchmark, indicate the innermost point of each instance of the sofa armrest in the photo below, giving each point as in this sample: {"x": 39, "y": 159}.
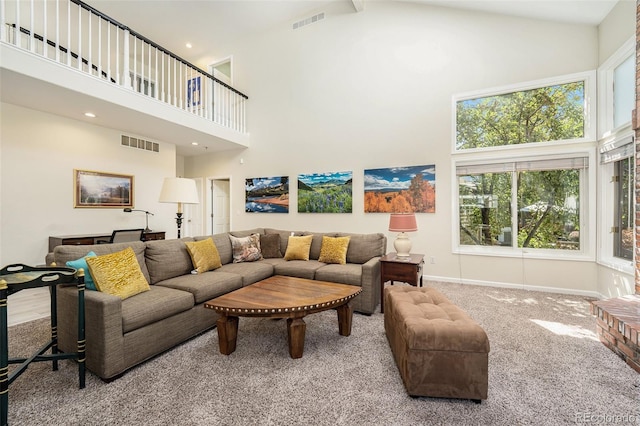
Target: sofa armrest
{"x": 103, "y": 329}
{"x": 370, "y": 296}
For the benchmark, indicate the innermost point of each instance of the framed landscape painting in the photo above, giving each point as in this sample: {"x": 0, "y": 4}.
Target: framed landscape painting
{"x": 409, "y": 189}
{"x": 267, "y": 195}
{"x": 325, "y": 192}
{"x": 102, "y": 190}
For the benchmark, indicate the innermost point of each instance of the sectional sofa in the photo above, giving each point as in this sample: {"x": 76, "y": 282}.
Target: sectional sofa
{"x": 123, "y": 333}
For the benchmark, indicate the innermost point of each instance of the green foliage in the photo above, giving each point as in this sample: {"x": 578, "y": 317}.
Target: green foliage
{"x": 538, "y": 115}
{"x": 547, "y": 201}
{"x": 325, "y": 199}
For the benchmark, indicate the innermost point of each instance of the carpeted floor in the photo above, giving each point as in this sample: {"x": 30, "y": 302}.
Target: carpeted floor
{"x": 546, "y": 367}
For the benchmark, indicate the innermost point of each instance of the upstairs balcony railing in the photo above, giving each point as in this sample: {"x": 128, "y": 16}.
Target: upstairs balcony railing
{"x": 73, "y": 33}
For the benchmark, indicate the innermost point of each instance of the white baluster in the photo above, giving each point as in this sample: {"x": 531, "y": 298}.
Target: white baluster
{"x": 3, "y": 20}
{"x": 68, "y": 34}
{"x": 57, "y": 31}
{"x": 90, "y": 43}
{"x": 79, "y": 38}
{"x": 109, "y": 51}
{"x": 45, "y": 45}
{"x": 126, "y": 78}
{"x": 32, "y": 40}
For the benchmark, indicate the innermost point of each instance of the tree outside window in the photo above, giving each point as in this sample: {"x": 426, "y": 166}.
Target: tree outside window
{"x": 531, "y": 201}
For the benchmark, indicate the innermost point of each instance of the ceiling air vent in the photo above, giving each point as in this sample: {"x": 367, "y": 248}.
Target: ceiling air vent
{"x": 311, "y": 20}
{"x": 132, "y": 142}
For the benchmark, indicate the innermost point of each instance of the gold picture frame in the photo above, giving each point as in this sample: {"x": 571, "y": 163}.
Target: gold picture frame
{"x": 93, "y": 189}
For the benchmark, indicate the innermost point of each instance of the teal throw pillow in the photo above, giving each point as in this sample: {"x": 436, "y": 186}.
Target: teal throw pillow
{"x": 82, "y": 263}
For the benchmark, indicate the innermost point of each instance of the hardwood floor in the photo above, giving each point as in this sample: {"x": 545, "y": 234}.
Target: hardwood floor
{"x": 28, "y": 305}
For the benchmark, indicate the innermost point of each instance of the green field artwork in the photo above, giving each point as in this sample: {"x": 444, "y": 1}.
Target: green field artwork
{"x": 325, "y": 192}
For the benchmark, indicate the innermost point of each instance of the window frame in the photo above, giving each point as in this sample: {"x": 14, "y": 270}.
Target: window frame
{"x": 589, "y": 78}
{"x": 606, "y": 135}
{"x": 605, "y": 75}
{"x": 580, "y": 147}
{"x": 606, "y": 207}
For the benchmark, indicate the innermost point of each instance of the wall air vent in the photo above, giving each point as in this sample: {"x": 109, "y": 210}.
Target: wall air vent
{"x": 311, "y": 20}
{"x": 132, "y": 142}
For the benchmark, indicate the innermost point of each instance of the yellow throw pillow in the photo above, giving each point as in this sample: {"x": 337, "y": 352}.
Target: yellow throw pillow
{"x": 118, "y": 273}
{"x": 204, "y": 255}
{"x": 298, "y": 248}
{"x": 334, "y": 250}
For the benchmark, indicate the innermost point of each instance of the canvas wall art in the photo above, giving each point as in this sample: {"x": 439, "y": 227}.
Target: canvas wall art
{"x": 100, "y": 190}
{"x": 400, "y": 189}
{"x": 325, "y": 192}
{"x": 267, "y": 195}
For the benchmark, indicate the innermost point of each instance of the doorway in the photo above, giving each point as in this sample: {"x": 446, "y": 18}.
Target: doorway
{"x": 219, "y": 205}
{"x": 221, "y": 100}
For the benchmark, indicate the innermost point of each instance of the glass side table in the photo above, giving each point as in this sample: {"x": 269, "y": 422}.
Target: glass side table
{"x": 14, "y": 278}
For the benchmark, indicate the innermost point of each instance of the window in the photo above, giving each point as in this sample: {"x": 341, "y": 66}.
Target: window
{"x": 617, "y": 164}
{"x": 522, "y": 160}
{"x": 623, "y": 231}
{"x": 545, "y": 194}
{"x": 623, "y": 91}
{"x": 550, "y": 113}
{"x": 616, "y": 100}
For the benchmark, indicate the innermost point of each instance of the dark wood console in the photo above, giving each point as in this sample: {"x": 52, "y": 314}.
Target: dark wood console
{"x": 63, "y": 240}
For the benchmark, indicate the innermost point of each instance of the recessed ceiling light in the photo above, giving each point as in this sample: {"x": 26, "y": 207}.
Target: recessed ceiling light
{"x": 189, "y": 45}
{"x": 194, "y": 143}
{"x": 90, "y": 115}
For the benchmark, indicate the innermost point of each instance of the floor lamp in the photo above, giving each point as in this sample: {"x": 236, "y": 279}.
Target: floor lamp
{"x": 180, "y": 191}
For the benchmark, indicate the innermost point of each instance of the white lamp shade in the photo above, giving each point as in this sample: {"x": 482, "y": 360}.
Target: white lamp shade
{"x": 179, "y": 190}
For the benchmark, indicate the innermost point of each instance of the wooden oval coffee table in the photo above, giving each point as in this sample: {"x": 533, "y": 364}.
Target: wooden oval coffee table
{"x": 282, "y": 297}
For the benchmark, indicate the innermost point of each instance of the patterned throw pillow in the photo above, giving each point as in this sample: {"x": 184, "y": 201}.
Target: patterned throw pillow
{"x": 298, "y": 248}
{"x": 334, "y": 250}
{"x": 270, "y": 246}
{"x": 118, "y": 273}
{"x": 246, "y": 249}
{"x": 204, "y": 255}
{"x": 82, "y": 263}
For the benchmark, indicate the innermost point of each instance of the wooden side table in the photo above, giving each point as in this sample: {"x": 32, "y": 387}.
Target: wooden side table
{"x": 404, "y": 269}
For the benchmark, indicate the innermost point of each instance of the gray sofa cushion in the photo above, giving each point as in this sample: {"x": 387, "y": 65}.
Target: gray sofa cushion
{"x": 298, "y": 268}
{"x": 154, "y": 305}
{"x": 203, "y": 287}
{"x": 223, "y": 244}
{"x": 363, "y": 247}
{"x": 284, "y": 237}
{"x": 350, "y": 273}
{"x": 240, "y": 234}
{"x": 167, "y": 259}
{"x": 251, "y": 272}
{"x": 63, "y": 254}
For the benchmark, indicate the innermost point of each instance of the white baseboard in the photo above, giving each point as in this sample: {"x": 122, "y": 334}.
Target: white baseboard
{"x": 559, "y": 290}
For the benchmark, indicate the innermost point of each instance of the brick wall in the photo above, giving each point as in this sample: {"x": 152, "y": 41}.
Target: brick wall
{"x": 618, "y": 327}
{"x": 636, "y": 126}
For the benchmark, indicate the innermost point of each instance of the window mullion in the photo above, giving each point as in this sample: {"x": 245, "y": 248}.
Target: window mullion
{"x": 514, "y": 209}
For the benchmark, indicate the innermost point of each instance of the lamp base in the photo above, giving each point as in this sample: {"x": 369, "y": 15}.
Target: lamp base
{"x": 402, "y": 244}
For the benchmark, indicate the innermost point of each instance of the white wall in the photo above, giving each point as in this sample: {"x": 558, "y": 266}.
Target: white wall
{"x": 374, "y": 89}
{"x": 40, "y": 152}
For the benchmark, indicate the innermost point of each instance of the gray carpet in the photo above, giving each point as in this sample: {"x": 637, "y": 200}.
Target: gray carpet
{"x": 546, "y": 367}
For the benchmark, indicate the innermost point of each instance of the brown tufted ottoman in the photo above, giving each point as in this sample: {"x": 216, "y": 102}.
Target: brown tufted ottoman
{"x": 440, "y": 351}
